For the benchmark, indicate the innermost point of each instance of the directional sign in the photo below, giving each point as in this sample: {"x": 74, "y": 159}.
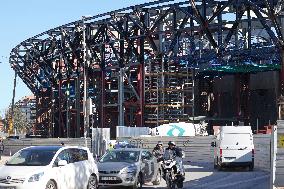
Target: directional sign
{"x": 281, "y": 141}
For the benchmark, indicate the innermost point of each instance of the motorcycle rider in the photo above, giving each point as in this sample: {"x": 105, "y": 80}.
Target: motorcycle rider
{"x": 178, "y": 154}
{"x": 158, "y": 151}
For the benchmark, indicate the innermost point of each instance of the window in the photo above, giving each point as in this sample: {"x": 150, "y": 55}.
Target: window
{"x": 78, "y": 155}
{"x": 64, "y": 155}
{"x": 84, "y": 154}
{"x": 32, "y": 157}
{"x": 121, "y": 156}
{"x": 146, "y": 155}
{"x": 149, "y": 155}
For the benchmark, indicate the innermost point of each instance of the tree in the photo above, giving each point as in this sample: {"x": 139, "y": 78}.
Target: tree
{"x": 20, "y": 121}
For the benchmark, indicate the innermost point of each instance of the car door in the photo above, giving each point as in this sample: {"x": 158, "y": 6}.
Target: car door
{"x": 147, "y": 160}
{"x": 81, "y": 171}
{"x": 64, "y": 174}
{"x": 151, "y": 163}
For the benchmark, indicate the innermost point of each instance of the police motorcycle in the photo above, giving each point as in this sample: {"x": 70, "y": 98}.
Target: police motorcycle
{"x": 172, "y": 171}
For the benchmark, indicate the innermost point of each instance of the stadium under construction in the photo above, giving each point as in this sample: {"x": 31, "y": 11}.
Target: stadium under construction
{"x": 155, "y": 63}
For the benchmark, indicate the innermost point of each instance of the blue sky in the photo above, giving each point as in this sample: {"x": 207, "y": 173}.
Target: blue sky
{"x": 20, "y": 20}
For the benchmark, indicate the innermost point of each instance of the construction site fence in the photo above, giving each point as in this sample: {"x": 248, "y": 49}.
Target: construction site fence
{"x": 122, "y": 131}
{"x": 198, "y": 148}
{"x": 11, "y": 146}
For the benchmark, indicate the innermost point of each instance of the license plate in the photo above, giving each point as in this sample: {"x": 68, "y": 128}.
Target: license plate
{"x": 108, "y": 178}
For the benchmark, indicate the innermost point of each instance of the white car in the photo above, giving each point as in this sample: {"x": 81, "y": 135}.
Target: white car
{"x": 50, "y": 167}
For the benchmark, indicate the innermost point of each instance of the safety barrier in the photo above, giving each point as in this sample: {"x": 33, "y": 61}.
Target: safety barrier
{"x": 262, "y": 147}
{"x": 122, "y": 131}
{"x": 279, "y": 167}
{"x": 13, "y": 145}
{"x": 198, "y": 148}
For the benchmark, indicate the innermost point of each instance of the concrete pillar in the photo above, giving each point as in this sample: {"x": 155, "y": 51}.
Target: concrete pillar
{"x": 281, "y": 78}
{"x": 279, "y": 167}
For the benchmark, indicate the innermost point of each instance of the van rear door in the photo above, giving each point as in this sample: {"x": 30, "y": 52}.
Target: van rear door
{"x": 237, "y": 147}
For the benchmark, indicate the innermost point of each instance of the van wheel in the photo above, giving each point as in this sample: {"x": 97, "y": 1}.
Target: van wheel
{"x": 219, "y": 166}
{"x": 215, "y": 164}
{"x": 251, "y": 167}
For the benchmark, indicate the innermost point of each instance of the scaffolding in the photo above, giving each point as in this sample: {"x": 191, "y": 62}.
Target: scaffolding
{"x": 141, "y": 64}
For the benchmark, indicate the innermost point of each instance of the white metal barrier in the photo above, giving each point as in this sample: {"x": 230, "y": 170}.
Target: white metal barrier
{"x": 100, "y": 140}
{"x": 123, "y": 131}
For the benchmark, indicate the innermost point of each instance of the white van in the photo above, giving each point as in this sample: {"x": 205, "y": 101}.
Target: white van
{"x": 233, "y": 146}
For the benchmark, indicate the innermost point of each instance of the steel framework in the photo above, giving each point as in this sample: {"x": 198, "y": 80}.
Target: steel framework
{"x": 141, "y": 62}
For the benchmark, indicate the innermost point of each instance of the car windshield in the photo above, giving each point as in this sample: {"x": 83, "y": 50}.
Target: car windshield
{"x": 121, "y": 156}
{"x": 32, "y": 157}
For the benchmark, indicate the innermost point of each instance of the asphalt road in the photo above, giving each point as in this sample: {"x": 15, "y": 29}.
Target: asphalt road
{"x": 203, "y": 176}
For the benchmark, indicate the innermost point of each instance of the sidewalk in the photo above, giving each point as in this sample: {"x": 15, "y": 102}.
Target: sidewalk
{"x": 4, "y": 159}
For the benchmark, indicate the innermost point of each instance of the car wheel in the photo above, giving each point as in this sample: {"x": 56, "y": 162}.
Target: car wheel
{"x": 179, "y": 184}
{"x": 139, "y": 182}
{"x": 92, "y": 183}
{"x": 251, "y": 167}
{"x": 157, "y": 181}
{"x": 50, "y": 185}
{"x": 169, "y": 181}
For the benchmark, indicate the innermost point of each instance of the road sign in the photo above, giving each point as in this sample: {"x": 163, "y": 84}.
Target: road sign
{"x": 281, "y": 141}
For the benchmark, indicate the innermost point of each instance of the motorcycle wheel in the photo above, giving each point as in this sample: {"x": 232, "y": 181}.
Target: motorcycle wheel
{"x": 169, "y": 181}
{"x": 180, "y": 184}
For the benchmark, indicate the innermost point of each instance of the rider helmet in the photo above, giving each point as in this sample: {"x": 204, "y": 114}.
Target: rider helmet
{"x": 160, "y": 143}
{"x": 171, "y": 143}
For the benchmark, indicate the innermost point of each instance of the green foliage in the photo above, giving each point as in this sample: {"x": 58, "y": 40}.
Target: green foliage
{"x": 20, "y": 121}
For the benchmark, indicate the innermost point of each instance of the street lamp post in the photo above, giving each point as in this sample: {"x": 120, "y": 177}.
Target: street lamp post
{"x": 86, "y": 121}
{"x": 86, "y": 102}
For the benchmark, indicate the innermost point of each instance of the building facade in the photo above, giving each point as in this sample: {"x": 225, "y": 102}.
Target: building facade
{"x": 27, "y": 106}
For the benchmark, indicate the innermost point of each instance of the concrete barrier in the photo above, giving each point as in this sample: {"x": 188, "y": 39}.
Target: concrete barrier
{"x": 279, "y": 170}
{"x": 14, "y": 145}
{"x": 262, "y": 146}
{"x": 197, "y": 148}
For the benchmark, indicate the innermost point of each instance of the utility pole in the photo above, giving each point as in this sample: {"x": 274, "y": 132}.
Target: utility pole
{"x": 86, "y": 117}
{"x": 11, "y": 125}
{"x": 193, "y": 94}
{"x": 121, "y": 97}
